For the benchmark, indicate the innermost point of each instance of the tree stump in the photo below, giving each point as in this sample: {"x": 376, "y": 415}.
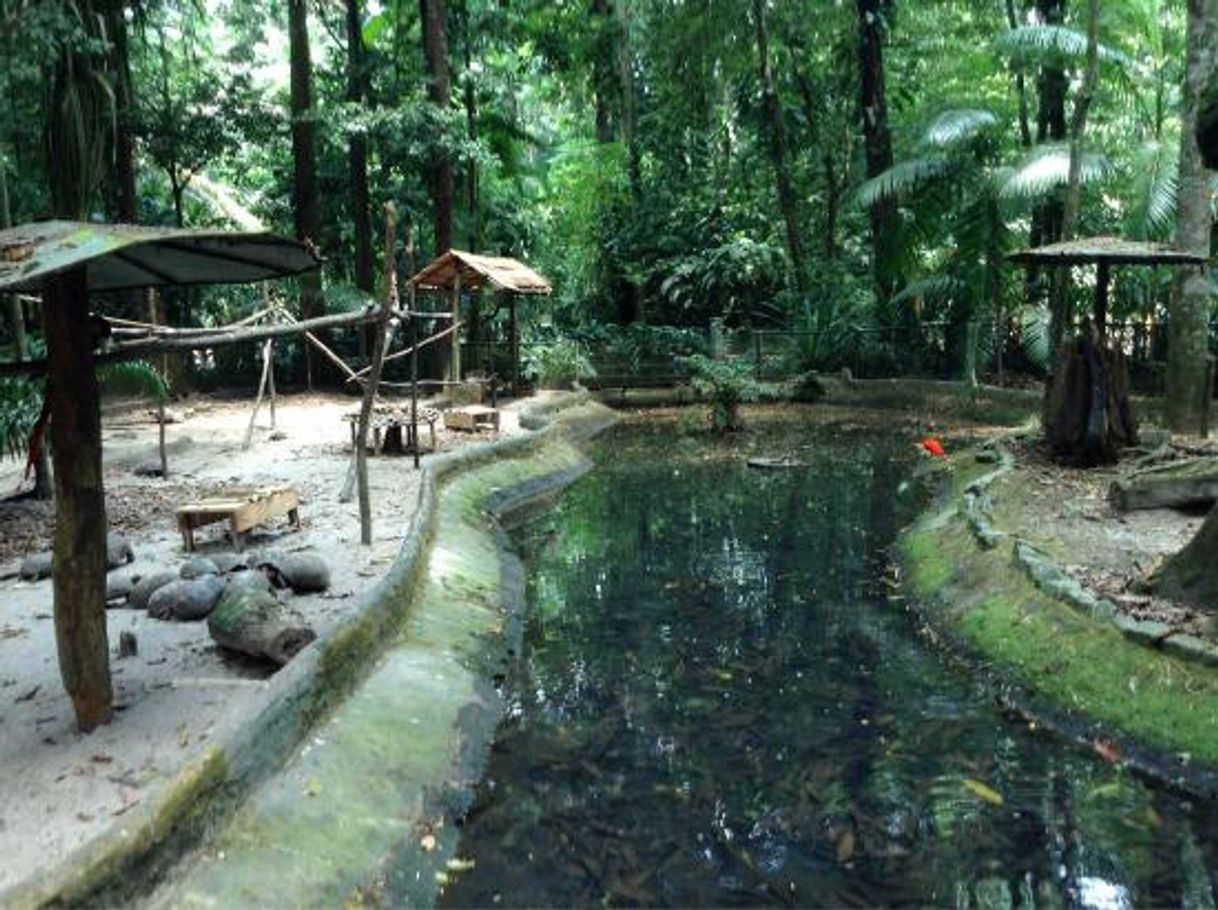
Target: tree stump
{"x": 1087, "y": 416}
{"x": 1191, "y": 576}
{"x": 253, "y": 622}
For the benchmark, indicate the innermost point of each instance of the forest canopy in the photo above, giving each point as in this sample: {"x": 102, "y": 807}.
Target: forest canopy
{"x": 852, "y": 172}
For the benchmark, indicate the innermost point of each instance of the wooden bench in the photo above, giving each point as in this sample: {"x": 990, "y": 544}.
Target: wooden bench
{"x": 243, "y": 509}
{"x": 472, "y": 417}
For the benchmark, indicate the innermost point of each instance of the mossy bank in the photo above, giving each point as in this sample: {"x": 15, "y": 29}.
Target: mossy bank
{"x": 1056, "y": 657}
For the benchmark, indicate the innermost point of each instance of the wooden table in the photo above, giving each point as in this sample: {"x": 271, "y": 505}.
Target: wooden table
{"x": 472, "y": 418}
{"x": 393, "y": 430}
{"x": 243, "y": 509}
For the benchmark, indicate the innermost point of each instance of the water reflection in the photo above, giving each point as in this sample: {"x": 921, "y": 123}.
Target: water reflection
{"x": 716, "y": 707}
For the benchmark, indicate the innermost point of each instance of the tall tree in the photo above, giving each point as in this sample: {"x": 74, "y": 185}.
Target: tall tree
{"x": 877, "y": 141}
{"x": 779, "y": 157}
{"x": 357, "y": 149}
{"x": 121, "y": 200}
{"x": 1192, "y": 304}
{"x": 304, "y": 156}
{"x": 1047, "y": 216}
{"x": 439, "y": 88}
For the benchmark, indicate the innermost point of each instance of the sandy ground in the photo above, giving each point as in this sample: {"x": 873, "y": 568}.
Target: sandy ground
{"x": 61, "y": 787}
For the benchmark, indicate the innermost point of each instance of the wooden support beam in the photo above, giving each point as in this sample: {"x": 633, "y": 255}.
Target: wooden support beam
{"x": 456, "y": 330}
{"x": 406, "y": 352}
{"x": 79, "y": 580}
{"x": 153, "y": 347}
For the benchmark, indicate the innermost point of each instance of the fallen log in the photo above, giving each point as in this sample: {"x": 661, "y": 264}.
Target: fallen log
{"x": 1184, "y": 483}
{"x": 253, "y": 622}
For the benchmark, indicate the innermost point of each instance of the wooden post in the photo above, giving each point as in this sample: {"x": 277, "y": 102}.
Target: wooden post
{"x": 270, "y": 359}
{"x": 414, "y": 346}
{"x": 1102, "y": 280}
{"x": 374, "y": 380}
{"x": 79, "y": 580}
{"x": 266, "y": 368}
{"x": 513, "y": 345}
{"x": 456, "y": 308}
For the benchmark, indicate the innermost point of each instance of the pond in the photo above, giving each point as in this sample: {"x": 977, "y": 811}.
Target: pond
{"x": 716, "y": 705}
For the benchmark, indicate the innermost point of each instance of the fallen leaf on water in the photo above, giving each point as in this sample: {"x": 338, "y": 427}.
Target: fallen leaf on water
{"x": 1107, "y": 750}
{"x": 460, "y": 865}
{"x": 428, "y": 843}
{"x": 983, "y": 792}
{"x": 845, "y": 846}
{"x": 312, "y": 787}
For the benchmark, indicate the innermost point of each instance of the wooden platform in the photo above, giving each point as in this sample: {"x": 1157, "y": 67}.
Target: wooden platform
{"x": 472, "y": 418}
{"x": 243, "y": 509}
{"x": 393, "y": 430}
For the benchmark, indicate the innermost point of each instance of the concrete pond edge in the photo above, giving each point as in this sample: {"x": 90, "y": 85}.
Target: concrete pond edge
{"x": 250, "y": 744}
{"x": 974, "y": 504}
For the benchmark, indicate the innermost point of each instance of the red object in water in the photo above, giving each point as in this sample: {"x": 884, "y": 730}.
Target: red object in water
{"x": 933, "y": 446}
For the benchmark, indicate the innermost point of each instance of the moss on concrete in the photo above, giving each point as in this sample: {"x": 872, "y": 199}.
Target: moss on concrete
{"x": 1066, "y": 661}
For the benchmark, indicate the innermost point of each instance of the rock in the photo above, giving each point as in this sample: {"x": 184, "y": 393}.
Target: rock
{"x": 148, "y": 469}
{"x": 198, "y": 567}
{"x": 253, "y": 622}
{"x": 186, "y": 600}
{"x": 146, "y": 586}
{"x": 119, "y": 587}
{"x": 305, "y": 572}
{"x": 231, "y": 562}
{"x": 37, "y": 566}
{"x": 118, "y": 551}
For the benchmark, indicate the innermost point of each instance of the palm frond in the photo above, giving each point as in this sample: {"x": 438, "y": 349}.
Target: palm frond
{"x": 1048, "y": 167}
{"x": 1152, "y": 200}
{"x": 20, "y": 406}
{"x": 132, "y": 378}
{"x": 955, "y": 126}
{"x": 1036, "y": 43}
{"x": 902, "y": 177}
{"x": 932, "y": 287}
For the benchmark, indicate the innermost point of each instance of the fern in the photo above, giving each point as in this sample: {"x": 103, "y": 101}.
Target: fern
{"x": 20, "y": 406}
{"x": 135, "y": 378}
{"x": 933, "y": 287}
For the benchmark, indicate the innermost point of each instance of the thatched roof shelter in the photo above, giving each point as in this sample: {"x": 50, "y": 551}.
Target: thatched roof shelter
{"x": 471, "y": 271}
{"x": 1105, "y": 250}
{"x": 458, "y": 271}
{"x": 118, "y": 257}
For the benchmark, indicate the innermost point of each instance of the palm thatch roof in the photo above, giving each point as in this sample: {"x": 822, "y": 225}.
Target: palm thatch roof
{"x": 1106, "y": 250}
{"x": 122, "y": 256}
{"x": 476, "y": 271}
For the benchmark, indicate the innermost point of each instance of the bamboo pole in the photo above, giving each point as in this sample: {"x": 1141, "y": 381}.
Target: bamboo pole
{"x": 456, "y": 329}
{"x": 270, "y": 356}
{"x": 414, "y": 347}
{"x": 378, "y": 356}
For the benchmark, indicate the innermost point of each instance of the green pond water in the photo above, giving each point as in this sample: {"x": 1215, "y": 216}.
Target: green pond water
{"x": 716, "y": 705}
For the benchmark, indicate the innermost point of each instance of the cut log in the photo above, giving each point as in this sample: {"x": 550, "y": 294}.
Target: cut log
{"x": 1087, "y": 416}
{"x": 253, "y": 622}
{"x": 1180, "y": 484}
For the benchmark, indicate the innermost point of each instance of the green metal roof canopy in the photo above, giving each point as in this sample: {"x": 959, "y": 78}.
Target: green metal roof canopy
{"x": 119, "y": 257}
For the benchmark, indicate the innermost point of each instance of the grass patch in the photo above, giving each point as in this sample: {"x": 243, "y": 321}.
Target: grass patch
{"x": 1059, "y": 656}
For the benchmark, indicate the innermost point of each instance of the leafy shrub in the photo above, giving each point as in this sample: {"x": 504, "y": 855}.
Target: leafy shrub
{"x": 556, "y": 362}
{"x": 728, "y": 384}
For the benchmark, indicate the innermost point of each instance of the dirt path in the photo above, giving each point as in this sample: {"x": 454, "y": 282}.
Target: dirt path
{"x": 60, "y": 787}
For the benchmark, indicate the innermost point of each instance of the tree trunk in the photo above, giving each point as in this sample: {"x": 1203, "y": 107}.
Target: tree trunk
{"x": 1021, "y": 88}
{"x": 122, "y": 200}
{"x": 435, "y": 52}
{"x": 79, "y": 581}
{"x": 1191, "y": 303}
{"x": 1050, "y": 127}
{"x": 877, "y": 143}
{"x": 304, "y": 159}
{"x": 604, "y": 83}
{"x": 1087, "y": 415}
{"x": 779, "y": 157}
{"x": 253, "y": 622}
{"x": 357, "y": 151}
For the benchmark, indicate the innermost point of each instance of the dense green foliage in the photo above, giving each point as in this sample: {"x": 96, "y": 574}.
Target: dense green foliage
{"x": 628, "y": 150}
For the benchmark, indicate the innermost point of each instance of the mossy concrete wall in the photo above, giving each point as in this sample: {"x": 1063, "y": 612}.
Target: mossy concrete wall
{"x": 1052, "y": 651}
{"x": 253, "y": 742}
